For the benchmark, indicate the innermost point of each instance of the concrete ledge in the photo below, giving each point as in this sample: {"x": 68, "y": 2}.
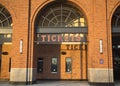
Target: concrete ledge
{"x": 22, "y": 74}
{"x": 101, "y": 84}
{"x": 23, "y": 83}
{"x": 101, "y": 75}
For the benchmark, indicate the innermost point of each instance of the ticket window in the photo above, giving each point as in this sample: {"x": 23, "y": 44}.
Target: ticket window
{"x": 40, "y": 65}
{"x": 68, "y": 65}
{"x": 54, "y": 65}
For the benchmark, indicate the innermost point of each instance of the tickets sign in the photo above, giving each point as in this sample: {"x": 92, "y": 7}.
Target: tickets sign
{"x": 58, "y": 38}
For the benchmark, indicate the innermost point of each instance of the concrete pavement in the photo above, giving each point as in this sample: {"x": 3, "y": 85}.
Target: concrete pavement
{"x": 51, "y": 83}
{"x": 56, "y": 83}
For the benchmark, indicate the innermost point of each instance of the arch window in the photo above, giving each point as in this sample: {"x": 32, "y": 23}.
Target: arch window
{"x": 5, "y": 25}
{"x": 61, "y": 15}
{"x": 116, "y": 42}
{"x": 116, "y": 18}
{"x": 5, "y": 17}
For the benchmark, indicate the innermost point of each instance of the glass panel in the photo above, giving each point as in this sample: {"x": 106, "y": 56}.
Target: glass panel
{"x": 40, "y": 65}
{"x": 61, "y": 15}
{"x": 54, "y": 65}
{"x": 8, "y": 35}
{"x": 5, "y": 17}
{"x": 2, "y": 36}
{"x": 116, "y": 18}
{"x": 68, "y": 65}
{"x": 5, "y": 38}
{"x": 5, "y": 22}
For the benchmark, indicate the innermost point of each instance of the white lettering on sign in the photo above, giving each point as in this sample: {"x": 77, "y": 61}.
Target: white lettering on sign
{"x": 57, "y": 38}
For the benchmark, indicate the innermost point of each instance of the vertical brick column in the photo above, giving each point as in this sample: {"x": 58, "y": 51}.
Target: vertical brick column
{"x": 21, "y": 72}
{"x": 100, "y": 69}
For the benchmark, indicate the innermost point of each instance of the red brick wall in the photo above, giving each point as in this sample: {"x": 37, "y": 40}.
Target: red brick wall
{"x": 47, "y": 52}
{"x": 19, "y": 12}
{"x": 95, "y": 11}
{"x": 4, "y": 74}
{"x": 78, "y": 59}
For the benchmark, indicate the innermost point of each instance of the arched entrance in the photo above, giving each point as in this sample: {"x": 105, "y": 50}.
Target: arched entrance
{"x": 116, "y": 43}
{"x": 5, "y": 42}
{"x": 61, "y": 42}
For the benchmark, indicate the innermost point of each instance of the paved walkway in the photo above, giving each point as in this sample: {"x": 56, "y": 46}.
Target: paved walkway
{"x": 52, "y": 83}
{"x": 56, "y": 83}
{"x": 63, "y": 83}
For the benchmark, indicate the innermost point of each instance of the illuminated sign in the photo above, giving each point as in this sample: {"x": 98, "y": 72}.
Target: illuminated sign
{"x": 58, "y": 38}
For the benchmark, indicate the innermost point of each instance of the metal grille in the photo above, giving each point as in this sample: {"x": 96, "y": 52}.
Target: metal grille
{"x": 5, "y": 17}
{"x": 116, "y": 18}
{"x": 61, "y": 15}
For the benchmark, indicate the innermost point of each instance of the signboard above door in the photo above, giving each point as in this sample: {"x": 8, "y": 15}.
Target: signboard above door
{"x": 59, "y": 38}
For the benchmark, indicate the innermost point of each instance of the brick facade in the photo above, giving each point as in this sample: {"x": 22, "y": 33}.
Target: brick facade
{"x": 99, "y": 15}
{"x": 78, "y": 61}
{"x": 5, "y": 71}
